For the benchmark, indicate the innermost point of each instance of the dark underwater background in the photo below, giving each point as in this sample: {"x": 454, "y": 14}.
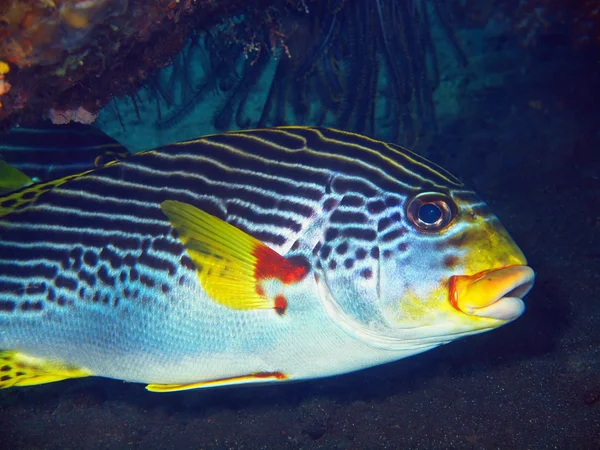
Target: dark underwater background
{"x": 503, "y": 94}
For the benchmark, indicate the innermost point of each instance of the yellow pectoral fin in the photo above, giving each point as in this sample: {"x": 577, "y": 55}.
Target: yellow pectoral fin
{"x": 12, "y": 178}
{"x": 18, "y": 369}
{"x": 230, "y": 263}
{"x": 258, "y": 377}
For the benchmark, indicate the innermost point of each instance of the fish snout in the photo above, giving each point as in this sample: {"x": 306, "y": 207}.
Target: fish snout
{"x": 494, "y": 294}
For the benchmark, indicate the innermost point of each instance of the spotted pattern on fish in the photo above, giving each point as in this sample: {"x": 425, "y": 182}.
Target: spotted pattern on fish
{"x": 335, "y": 196}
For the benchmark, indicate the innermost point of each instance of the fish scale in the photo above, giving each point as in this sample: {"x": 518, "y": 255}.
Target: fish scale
{"x": 131, "y": 271}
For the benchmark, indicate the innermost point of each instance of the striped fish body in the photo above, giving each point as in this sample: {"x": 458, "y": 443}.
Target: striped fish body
{"x": 99, "y": 275}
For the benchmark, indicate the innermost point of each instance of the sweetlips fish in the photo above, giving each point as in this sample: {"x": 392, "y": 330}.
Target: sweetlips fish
{"x": 248, "y": 257}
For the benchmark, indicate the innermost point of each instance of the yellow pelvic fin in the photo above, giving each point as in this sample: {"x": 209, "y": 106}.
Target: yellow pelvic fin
{"x": 229, "y": 262}
{"x": 257, "y": 377}
{"x": 28, "y": 196}
{"x": 18, "y": 369}
{"x": 12, "y": 178}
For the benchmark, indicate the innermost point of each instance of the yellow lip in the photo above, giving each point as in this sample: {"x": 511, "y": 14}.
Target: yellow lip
{"x": 495, "y": 294}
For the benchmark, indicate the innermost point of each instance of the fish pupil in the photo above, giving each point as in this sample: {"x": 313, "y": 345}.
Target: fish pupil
{"x": 429, "y": 213}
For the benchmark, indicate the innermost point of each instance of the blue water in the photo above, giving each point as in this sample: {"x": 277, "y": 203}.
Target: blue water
{"x": 503, "y": 94}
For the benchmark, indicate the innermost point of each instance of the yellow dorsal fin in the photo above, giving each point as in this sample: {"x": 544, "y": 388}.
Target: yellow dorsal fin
{"x": 18, "y": 369}
{"x": 257, "y": 377}
{"x": 230, "y": 263}
{"x": 12, "y": 178}
{"x": 27, "y": 196}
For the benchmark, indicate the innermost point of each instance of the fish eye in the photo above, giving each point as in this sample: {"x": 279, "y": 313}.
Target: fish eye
{"x": 430, "y": 211}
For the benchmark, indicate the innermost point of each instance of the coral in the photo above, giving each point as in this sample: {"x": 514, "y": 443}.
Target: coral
{"x": 336, "y": 63}
{"x": 79, "y": 115}
{"x": 4, "y": 84}
{"x": 64, "y": 54}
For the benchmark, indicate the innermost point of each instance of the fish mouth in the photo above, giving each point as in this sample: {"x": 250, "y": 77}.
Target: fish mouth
{"x": 493, "y": 294}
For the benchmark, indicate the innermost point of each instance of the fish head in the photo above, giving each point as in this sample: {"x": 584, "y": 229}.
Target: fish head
{"x": 462, "y": 271}
{"x": 448, "y": 269}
